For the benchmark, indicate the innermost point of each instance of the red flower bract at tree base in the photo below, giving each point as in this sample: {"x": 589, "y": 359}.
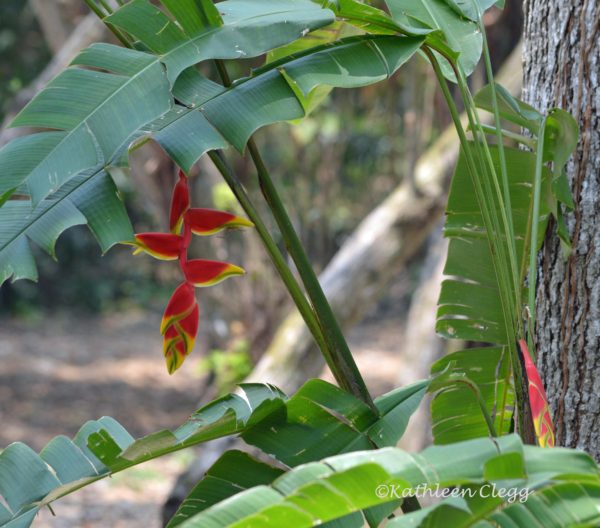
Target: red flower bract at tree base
{"x": 179, "y": 325}
{"x": 538, "y": 401}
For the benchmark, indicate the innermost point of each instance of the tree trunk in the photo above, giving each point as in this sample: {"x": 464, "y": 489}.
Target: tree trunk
{"x": 561, "y": 68}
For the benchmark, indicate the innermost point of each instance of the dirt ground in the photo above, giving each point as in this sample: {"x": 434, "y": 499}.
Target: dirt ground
{"x": 57, "y": 373}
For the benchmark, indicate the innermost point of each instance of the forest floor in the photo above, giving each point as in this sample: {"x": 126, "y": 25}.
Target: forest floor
{"x": 56, "y": 373}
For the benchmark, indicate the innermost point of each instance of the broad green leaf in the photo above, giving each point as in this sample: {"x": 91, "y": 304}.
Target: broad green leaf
{"x": 91, "y": 200}
{"x": 455, "y": 413}
{"x": 461, "y": 35}
{"x": 318, "y": 492}
{"x": 469, "y": 306}
{"x": 235, "y": 471}
{"x": 469, "y": 301}
{"x": 323, "y": 420}
{"x": 272, "y": 94}
{"x": 29, "y": 481}
{"x": 318, "y": 421}
{"x": 554, "y": 506}
{"x": 102, "y": 103}
{"x": 510, "y": 108}
{"x": 93, "y": 114}
{"x": 250, "y": 28}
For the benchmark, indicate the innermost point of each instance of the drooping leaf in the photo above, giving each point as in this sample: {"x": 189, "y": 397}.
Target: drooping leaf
{"x": 92, "y": 113}
{"x": 29, "y": 481}
{"x": 338, "y": 423}
{"x": 249, "y": 29}
{"x": 222, "y": 117}
{"x": 91, "y": 200}
{"x": 461, "y": 35}
{"x": 99, "y": 105}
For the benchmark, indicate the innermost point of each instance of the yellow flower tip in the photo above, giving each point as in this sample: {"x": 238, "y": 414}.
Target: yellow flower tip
{"x": 240, "y": 222}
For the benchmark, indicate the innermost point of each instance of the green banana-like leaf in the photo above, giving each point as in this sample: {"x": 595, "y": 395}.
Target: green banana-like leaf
{"x": 553, "y": 506}
{"x": 318, "y": 421}
{"x": 318, "y": 492}
{"x": 248, "y": 28}
{"x": 456, "y": 414}
{"x": 460, "y": 34}
{"x": 469, "y": 307}
{"x": 92, "y": 115}
{"x": 216, "y": 117}
{"x": 29, "y": 481}
{"x": 83, "y": 200}
{"x": 469, "y": 302}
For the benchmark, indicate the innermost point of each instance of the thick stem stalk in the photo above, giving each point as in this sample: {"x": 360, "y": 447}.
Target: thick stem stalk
{"x": 272, "y": 250}
{"x": 338, "y": 354}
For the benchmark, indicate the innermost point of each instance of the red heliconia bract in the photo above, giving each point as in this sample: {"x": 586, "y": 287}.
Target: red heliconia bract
{"x": 163, "y": 246}
{"x": 179, "y": 340}
{"x": 538, "y": 401}
{"x": 180, "y": 305}
{"x": 211, "y": 221}
{"x": 180, "y": 203}
{"x": 179, "y": 324}
{"x": 208, "y": 272}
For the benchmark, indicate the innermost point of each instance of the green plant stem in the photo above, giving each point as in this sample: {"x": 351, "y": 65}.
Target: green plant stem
{"x": 503, "y": 168}
{"x": 535, "y": 218}
{"x": 101, "y": 15}
{"x": 515, "y": 362}
{"x": 340, "y": 359}
{"x": 505, "y": 228}
{"x": 271, "y": 247}
{"x": 347, "y": 372}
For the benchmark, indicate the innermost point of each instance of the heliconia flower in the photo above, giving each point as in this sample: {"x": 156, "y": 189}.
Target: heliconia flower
{"x": 210, "y": 221}
{"x": 538, "y": 401}
{"x": 181, "y": 304}
{"x": 179, "y": 340}
{"x": 180, "y": 203}
{"x": 208, "y": 272}
{"x": 163, "y": 246}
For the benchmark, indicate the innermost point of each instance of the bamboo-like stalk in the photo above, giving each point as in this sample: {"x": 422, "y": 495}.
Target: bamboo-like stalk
{"x": 338, "y": 354}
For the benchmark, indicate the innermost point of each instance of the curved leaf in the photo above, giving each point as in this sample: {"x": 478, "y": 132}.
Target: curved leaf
{"x": 455, "y": 413}
{"x": 554, "y": 506}
{"x": 318, "y": 421}
{"x": 249, "y": 28}
{"x": 92, "y": 113}
{"x": 230, "y": 116}
{"x": 462, "y": 35}
{"x": 29, "y": 481}
{"x": 91, "y": 200}
{"x": 338, "y": 486}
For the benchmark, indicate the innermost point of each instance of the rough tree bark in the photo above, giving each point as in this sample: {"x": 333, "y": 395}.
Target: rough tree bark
{"x": 562, "y": 68}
